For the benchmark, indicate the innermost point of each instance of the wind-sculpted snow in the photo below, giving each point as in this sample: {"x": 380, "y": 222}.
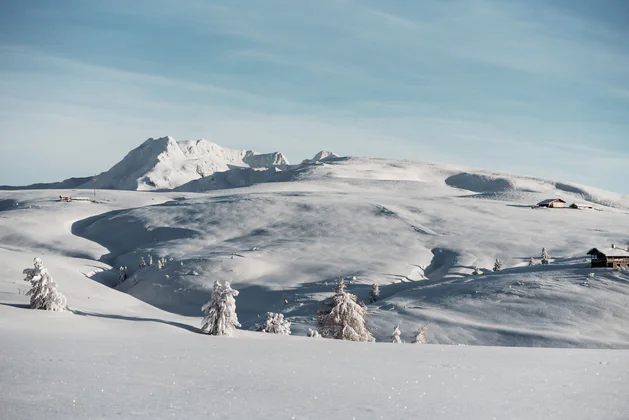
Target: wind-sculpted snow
{"x": 479, "y": 183}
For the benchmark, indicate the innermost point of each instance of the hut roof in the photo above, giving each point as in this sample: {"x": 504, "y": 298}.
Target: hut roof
{"x": 550, "y": 200}
{"x": 610, "y": 252}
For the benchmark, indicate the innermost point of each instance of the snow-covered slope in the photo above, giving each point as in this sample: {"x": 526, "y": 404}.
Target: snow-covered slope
{"x": 416, "y": 229}
{"x": 165, "y": 164}
{"x": 413, "y": 228}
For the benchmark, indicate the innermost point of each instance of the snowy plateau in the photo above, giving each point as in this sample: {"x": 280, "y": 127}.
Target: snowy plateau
{"x": 525, "y": 342}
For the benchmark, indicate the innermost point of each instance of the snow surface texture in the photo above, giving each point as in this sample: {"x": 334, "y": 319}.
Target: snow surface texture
{"x": 283, "y": 245}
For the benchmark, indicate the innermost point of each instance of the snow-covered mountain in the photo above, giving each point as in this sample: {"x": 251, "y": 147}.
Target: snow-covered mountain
{"x": 163, "y": 164}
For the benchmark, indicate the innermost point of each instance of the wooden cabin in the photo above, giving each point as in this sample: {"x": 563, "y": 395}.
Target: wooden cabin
{"x": 581, "y": 206}
{"x": 552, "y": 203}
{"x": 613, "y": 257}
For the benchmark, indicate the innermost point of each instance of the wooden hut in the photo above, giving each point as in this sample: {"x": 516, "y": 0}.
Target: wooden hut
{"x": 552, "y": 203}
{"x": 613, "y": 257}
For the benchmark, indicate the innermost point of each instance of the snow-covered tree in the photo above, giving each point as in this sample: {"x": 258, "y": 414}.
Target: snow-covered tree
{"x": 220, "y": 312}
{"x": 345, "y": 318}
{"x": 43, "y": 292}
{"x": 531, "y": 262}
{"x": 122, "y": 274}
{"x": 160, "y": 264}
{"x": 497, "y": 265}
{"x": 545, "y": 257}
{"x": 141, "y": 263}
{"x": 476, "y": 271}
{"x": 313, "y": 333}
{"x": 375, "y": 292}
{"x": 395, "y": 337}
{"x": 275, "y": 324}
{"x": 150, "y": 260}
{"x": 421, "y": 336}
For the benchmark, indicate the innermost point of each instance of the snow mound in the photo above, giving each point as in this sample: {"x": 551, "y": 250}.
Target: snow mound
{"x": 163, "y": 164}
{"x": 480, "y": 183}
{"x": 595, "y": 195}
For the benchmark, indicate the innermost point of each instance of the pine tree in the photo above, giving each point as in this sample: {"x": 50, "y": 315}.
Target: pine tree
{"x": 395, "y": 338}
{"x": 43, "y": 292}
{"x": 141, "y": 263}
{"x": 160, "y": 264}
{"x": 220, "y": 312}
{"x": 150, "y": 260}
{"x": 375, "y": 292}
{"x": 476, "y": 271}
{"x": 497, "y": 265}
{"x": 531, "y": 262}
{"x": 122, "y": 275}
{"x": 275, "y": 324}
{"x": 545, "y": 257}
{"x": 345, "y": 318}
{"x": 421, "y": 336}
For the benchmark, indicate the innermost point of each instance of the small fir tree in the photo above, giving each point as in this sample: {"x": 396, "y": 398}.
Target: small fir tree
{"x": 313, "y": 333}
{"x": 545, "y": 257}
{"x": 122, "y": 274}
{"x": 375, "y": 292}
{"x": 421, "y": 336}
{"x": 220, "y": 312}
{"x": 497, "y": 265}
{"x": 43, "y": 292}
{"x": 275, "y": 324}
{"x": 476, "y": 271}
{"x": 141, "y": 263}
{"x": 531, "y": 262}
{"x": 396, "y": 337}
{"x": 150, "y": 260}
{"x": 345, "y": 318}
{"x": 160, "y": 264}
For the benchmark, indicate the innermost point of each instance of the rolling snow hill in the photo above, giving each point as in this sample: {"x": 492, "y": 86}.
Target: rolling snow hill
{"x": 418, "y": 230}
{"x": 282, "y": 239}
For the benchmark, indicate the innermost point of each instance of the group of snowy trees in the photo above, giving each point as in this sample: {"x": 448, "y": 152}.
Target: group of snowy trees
{"x": 161, "y": 262}
{"x": 419, "y": 337}
{"x": 43, "y": 292}
{"x": 545, "y": 260}
{"x": 123, "y": 273}
{"x": 343, "y": 318}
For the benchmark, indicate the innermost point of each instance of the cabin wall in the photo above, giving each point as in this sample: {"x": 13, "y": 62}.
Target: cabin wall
{"x": 611, "y": 263}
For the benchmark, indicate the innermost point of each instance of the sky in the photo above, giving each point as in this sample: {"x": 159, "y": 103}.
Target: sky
{"x": 535, "y": 87}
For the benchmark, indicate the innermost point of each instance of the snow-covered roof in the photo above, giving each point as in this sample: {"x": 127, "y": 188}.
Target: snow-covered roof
{"x": 610, "y": 252}
{"x": 581, "y": 205}
{"x": 550, "y": 200}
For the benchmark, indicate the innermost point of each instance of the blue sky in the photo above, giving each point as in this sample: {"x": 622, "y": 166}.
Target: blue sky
{"x": 538, "y": 87}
